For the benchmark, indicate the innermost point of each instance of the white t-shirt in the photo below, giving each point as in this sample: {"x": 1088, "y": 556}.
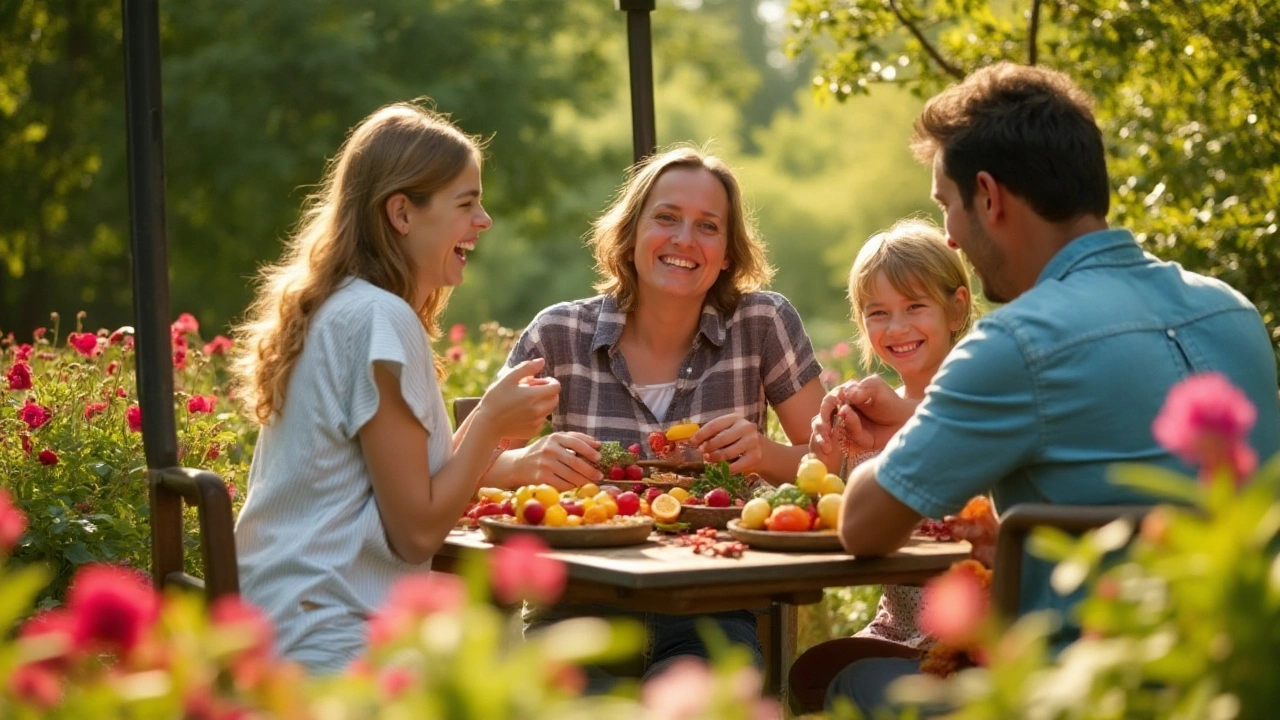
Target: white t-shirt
{"x": 657, "y": 397}
{"x": 310, "y": 532}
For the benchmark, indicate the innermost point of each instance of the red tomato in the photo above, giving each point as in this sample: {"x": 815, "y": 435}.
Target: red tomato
{"x": 788, "y": 518}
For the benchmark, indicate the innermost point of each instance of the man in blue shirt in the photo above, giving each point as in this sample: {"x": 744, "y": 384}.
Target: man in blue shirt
{"x": 1066, "y": 379}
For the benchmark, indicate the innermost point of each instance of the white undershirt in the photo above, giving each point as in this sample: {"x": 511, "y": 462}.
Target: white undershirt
{"x": 657, "y": 397}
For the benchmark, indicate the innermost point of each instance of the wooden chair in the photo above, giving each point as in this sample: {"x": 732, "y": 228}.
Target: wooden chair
{"x": 817, "y": 666}
{"x": 462, "y": 407}
{"x": 170, "y": 486}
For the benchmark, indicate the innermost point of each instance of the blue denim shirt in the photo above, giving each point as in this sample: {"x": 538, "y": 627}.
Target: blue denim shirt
{"x": 1048, "y": 391}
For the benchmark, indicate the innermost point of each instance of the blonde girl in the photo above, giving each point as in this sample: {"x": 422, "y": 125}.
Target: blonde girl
{"x": 357, "y": 477}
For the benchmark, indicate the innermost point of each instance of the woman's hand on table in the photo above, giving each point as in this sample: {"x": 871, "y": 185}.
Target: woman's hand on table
{"x": 563, "y": 460}
{"x": 731, "y": 437}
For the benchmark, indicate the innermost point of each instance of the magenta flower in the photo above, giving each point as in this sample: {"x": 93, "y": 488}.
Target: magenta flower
{"x": 133, "y": 416}
{"x": 85, "y": 343}
{"x": 219, "y": 345}
{"x": 92, "y": 409}
{"x": 23, "y": 352}
{"x": 34, "y": 415}
{"x": 1206, "y": 421}
{"x": 522, "y": 571}
{"x": 19, "y": 376}
{"x": 12, "y": 523}
{"x": 201, "y": 404}
{"x": 186, "y": 323}
{"x": 455, "y": 353}
{"x": 111, "y": 609}
{"x": 457, "y": 333}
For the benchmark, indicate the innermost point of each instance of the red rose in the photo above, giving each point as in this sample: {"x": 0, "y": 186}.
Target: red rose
{"x": 34, "y": 415}
{"x": 48, "y": 457}
{"x": 219, "y": 345}
{"x": 201, "y": 404}
{"x": 134, "y": 417}
{"x": 213, "y": 453}
{"x": 85, "y": 343}
{"x": 19, "y": 376}
{"x": 23, "y": 353}
{"x": 93, "y": 409}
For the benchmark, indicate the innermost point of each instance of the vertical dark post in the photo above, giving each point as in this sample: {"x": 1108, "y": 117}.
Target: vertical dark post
{"x": 640, "y": 60}
{"x": 149, "y": 242}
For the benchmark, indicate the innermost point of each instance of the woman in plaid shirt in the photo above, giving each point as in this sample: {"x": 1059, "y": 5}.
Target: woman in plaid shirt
{"x": 680, "y": 331}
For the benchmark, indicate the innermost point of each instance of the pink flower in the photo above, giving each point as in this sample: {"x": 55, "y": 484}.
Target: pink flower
{"x": 25, "y": 437}
{"x": 186, "y": 323}
{"x": 680, "y": 692}
{"x": 394, "y": 681}
{"x": 954, "y": 604}
{"x": 38, "y": 333}
{"x": 54, "y": 626}
{"x": 455, "y": 353}
{"x": 118, "y": 336}
{"x": 134, "y": 417}
{"x": 85, "y": 343}
{"x": 840, "y": 350}
{"x": 12, "y": 523}
{"x": 457, "y": 333}
{"x": 219, "y": 345}
{"x": 34, "y": 415}
{"x": 1206, "y": 421}
{"x": 201, "y": 404}
{"x": 521, "y": 571}
{"x": 112, "y": 367}
{"x": 48, "y": 457}
{"x": 23, "y": 353}
{"x": 19, "y": 376}
{"x": 413, "y": 598}
{"x": 111, "y": 609}
{"x": 37, "y": 685}
{"x": 212, "y": 454}
{"x": 829, "y": 377}
{"x": 180, "y": 358}
{"x": 233, "y": 614}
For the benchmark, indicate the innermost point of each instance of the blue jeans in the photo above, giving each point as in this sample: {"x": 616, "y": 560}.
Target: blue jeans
{"x": 865, "y": 682}
{"x": 670, "y": 637}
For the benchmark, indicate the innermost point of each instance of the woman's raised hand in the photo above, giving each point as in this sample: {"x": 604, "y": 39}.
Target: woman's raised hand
{"x": 518, "y": 404}
{"x": 730, "y": 437}
{"x": 563, "y": 460}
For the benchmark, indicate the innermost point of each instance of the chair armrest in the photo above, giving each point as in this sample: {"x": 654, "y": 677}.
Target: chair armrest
{"x": 1018, "y": 522}
{"x": 170, "y": 487}
{"x": 462, "y": 407}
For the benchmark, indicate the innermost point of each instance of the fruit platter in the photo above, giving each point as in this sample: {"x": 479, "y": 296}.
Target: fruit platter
{"x": 799, "y": 517}
{"x": 590, "y": 516}
{"x": 711, "y": 500}
{"x": 618, "y": 531}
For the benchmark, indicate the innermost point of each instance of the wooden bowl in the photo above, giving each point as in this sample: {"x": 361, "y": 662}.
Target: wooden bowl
{"x": 633, "y": 530}
{"x": 820, "y": 541}
{"x": 700, "y": 516}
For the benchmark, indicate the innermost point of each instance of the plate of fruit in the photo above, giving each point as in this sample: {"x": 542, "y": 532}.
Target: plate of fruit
{"x": 798, "y": 517}
{"x": 710, "y": 501}
{"x": 589, "y": 517}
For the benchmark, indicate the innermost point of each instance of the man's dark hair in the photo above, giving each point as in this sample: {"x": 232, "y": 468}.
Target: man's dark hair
{"x": 1032, "y": 129}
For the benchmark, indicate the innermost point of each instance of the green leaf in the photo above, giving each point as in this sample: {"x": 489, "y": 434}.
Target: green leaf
{"x": 77, "y": 554}
{"x": 1051, "y": 544}
{"x": 1159, "y": 482}
{"x": 20, "y": 589}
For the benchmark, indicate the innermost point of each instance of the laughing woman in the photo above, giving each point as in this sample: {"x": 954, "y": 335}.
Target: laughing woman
{"x": 357, "y": 477}
{"x": 681, "y": 330}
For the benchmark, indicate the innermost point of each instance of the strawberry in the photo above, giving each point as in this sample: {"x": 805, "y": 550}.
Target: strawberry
{"x": 634, "y": 449}
{"x": 617, "y": 473}
{"x": 634, "y": 472}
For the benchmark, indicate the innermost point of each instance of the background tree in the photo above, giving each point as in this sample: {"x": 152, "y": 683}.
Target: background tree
{"x": 1186, "y": 95}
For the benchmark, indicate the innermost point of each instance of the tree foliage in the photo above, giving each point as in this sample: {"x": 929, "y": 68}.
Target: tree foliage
{"x": 1186, "y": 95}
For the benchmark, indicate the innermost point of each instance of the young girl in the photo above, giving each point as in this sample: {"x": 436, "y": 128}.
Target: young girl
{"x": 910, "y": 298}
{"x": 357, "y": 478}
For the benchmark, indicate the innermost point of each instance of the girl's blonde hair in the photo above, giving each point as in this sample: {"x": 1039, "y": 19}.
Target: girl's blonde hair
{"x": 344, "y": 232}
{"x": 914, "y": 256}
{"x": 613, "y": 237}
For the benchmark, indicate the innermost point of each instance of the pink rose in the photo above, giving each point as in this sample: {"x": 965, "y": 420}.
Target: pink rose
{"x": 19, "y": 376}
{"x": 85, "y": 343}
{"x": 111, "y": 609}
{"x": 186, "y": 323}
{"x": 1206, "y": 421}
{"x": 134, "y": 417}
{"x": 34, "y": 415}
{"x": 12, "y": 523}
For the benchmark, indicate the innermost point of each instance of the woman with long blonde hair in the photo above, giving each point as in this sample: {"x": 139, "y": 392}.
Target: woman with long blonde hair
{"x": 357, "y": 477}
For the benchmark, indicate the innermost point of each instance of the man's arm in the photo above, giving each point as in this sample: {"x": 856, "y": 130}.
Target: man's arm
{"x": 873, "y": 522}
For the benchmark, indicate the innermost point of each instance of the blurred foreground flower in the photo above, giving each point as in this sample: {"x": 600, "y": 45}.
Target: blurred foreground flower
{"x": 1206, "y": 421}
{"x": 522, "y": 571}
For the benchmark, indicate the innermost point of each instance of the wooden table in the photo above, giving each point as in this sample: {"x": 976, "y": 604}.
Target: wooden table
{"x": 667, "y": 577}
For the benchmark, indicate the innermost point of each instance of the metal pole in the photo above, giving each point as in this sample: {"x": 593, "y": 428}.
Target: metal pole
{"x": 148, "y": 237}
{"x": 640, "y": 58}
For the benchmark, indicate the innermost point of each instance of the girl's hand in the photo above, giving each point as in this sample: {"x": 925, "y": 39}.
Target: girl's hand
{"x": 822, "y": 441}
{"x": 730, "y": 437}
{"x": 518, "y": 404}
{"x": 562, "y": 460}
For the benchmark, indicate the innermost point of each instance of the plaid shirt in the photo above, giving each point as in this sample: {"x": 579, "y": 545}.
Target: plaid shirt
{"x": 758, "y": 356}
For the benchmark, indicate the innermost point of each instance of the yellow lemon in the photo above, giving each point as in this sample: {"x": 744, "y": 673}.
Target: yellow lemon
{"x": 683, "y": 431}
{"x": 829, "y": 509}
{"x": 832, "y": 484}
{"x": 666, "y": 509}
{"x": 679, "y": 493}
{"x": 754, "y": 513}
{"x": 810, "y": 475}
